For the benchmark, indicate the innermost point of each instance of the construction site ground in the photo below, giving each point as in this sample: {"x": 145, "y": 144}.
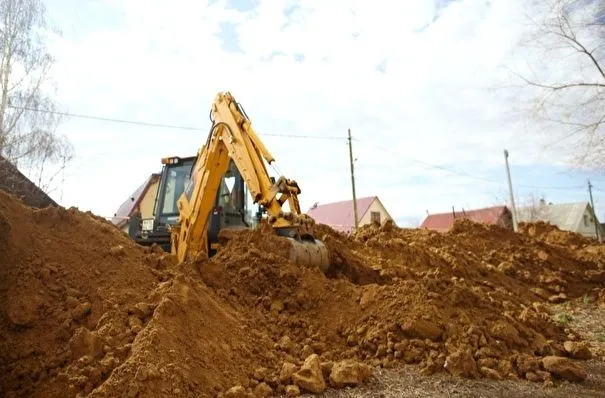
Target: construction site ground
{"x": 477, "y": 311}
{"x": 588, "y": 320}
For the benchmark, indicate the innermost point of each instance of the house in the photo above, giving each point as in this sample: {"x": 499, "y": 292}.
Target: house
{"x": 141, "y": 201}
{"x": 340, "y": 216}
{"x": 495, "y": 215}
{"x": 17, "y": 184}
{"x": 573, "y": 217}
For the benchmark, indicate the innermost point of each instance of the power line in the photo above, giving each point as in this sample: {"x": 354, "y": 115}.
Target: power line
{"x": 161, "y": 125}
{"x": 598, "y": 189}
{"x": 461, "y": 173}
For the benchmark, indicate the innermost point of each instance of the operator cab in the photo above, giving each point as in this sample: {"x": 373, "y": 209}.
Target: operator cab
{"x": 230, "y": 210}
{"x": 174, "y": 177}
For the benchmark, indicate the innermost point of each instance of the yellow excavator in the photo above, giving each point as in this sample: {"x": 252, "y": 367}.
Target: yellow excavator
{"x": 207, "y": 205}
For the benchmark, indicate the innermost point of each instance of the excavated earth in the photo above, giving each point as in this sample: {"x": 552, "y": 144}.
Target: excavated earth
{"x": 86, "y": 312}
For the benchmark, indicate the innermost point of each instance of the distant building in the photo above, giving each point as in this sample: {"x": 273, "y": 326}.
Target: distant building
{"x": 18, "y": 185}
{"x": 442, "y": 222}
{"x": 573, "y": 217}
{"x": 340, "y": 216}
{"x": 140, "y": 202}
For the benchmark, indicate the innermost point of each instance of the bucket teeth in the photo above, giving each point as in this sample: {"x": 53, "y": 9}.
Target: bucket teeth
{"x": 310, "y": 253}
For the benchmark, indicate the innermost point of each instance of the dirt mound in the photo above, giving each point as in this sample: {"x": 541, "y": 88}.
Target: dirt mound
{"x": 465, "y": 301}
{"x": 86, "y": 311}
{"x": 66, "y": 281}
{"x": 551, "y": 234}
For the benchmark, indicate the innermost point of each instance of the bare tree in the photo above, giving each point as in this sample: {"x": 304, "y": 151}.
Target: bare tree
{"x": 530, "y": 208}
{"x": 567, "y": 77}
{"x": 28, "y": 118}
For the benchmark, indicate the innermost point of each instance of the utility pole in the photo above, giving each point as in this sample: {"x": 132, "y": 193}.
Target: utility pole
{"x": 510, "y": 190}
{"x": 594, "y": 217}
{"x": 353, "y": 181}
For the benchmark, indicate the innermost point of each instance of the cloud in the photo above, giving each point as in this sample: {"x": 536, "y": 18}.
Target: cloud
{"x": 410, "y": 79}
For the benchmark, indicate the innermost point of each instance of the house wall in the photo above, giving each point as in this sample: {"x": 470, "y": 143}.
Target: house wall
{"x": 587, "y": 229}
{"x": 375, "y": 206}
{"x": 148, "y": 201}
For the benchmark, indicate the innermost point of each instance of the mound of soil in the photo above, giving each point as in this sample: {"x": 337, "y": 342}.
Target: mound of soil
{"x": 86, "y": 311}
{"x": 67, "y": 281}
{"x": 551, "y": 234}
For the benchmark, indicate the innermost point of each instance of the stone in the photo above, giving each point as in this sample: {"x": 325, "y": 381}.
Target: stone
{"x": 236, "y": 392}
{"x": 85, "y": 343}
{"x": 306, "y": 351}
{"x": 421, "y": 329}
{"x": 287, "y": 370}
{"x": 349, "y": 373}
{"x": 309, "y": 377}
{"x": 564, "y": 368}
{"x": 260, "y": 373}
{"x": 490, "y": 373}
{"x": 461, "y": 363}
{"x": 285, "y": 344}
{"x": 292, "y": 391}
{"x": 263, "y": 390}
{"x": 577, "y": 350}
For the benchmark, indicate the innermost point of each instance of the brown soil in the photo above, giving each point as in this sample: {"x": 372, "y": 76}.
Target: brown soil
{"x": 86, "y": 311}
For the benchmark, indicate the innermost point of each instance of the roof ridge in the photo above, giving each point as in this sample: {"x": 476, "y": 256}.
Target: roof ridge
{"x": 468, "y": 211}
{"x": 347, "y": 200}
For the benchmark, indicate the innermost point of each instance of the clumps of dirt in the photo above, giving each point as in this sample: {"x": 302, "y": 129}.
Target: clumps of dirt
{"x": 465, "y": 302}
{"x": 553, "y": 235}
{"x": 85, "y": 311}
{"x": 73, "y": 296}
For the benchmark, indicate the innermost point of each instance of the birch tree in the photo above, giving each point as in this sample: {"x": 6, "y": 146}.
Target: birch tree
{"x": 567, "y": 76}
{"x": 28, "y": 137}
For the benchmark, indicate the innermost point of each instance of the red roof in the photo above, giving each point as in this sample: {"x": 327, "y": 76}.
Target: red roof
{"x": 443, "y": 222}
{"x": 339, "y": 215}
{"x": 126, "y": 208}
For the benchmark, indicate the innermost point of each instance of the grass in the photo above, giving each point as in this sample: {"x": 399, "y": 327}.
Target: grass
{"x": 563, "y": 318}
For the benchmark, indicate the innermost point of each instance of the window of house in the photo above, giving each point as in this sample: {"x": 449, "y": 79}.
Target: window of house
{"x": 585, "y": 220}
{"x": 375, "y": 217}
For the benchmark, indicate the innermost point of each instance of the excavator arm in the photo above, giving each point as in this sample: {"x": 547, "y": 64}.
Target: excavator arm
{"x": 232, "y": 137}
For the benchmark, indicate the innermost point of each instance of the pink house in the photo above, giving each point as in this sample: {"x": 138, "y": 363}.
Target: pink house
{"x": 339, "y": 215}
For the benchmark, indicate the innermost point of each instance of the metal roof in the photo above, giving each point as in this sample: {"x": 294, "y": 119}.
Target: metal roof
{"x": 339, "y": 215}
{"x": 566, "y": 216}
{"x": 127, "y": 207}
{"x": 442, "y": 222}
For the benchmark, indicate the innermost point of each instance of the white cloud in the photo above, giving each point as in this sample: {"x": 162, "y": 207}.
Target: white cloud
{"x": 163, "y": 63}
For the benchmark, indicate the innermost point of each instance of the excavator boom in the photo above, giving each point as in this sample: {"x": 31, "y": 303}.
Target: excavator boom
{"x": 232, "y": 138}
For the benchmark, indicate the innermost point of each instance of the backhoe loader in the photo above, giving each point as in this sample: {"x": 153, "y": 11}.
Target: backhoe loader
{"x": 206, "y": 205}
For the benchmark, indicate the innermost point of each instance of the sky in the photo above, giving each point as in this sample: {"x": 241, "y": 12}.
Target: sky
{"x": 422, "y": 85}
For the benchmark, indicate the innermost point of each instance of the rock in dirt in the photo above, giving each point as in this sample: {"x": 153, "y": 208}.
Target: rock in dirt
{"x": 564, "y": 368}
{"x": 287, "y": 370}
{"x": 491, "y": 373}
{"x": 310, "y": 377}
{"x": 263, "y": 390}
{"x": 462, "y": 363}
{"x": 85, "y": 343}
{"x": 421, "y": 329}
{"x": 236, "y": 392}
{"x": 292, "y": 391}
{"x": 577, "y": 350}
{"x": 349, "y": 373}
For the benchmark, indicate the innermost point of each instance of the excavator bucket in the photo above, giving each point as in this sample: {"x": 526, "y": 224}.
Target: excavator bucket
{"x": 310, "y": 253}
